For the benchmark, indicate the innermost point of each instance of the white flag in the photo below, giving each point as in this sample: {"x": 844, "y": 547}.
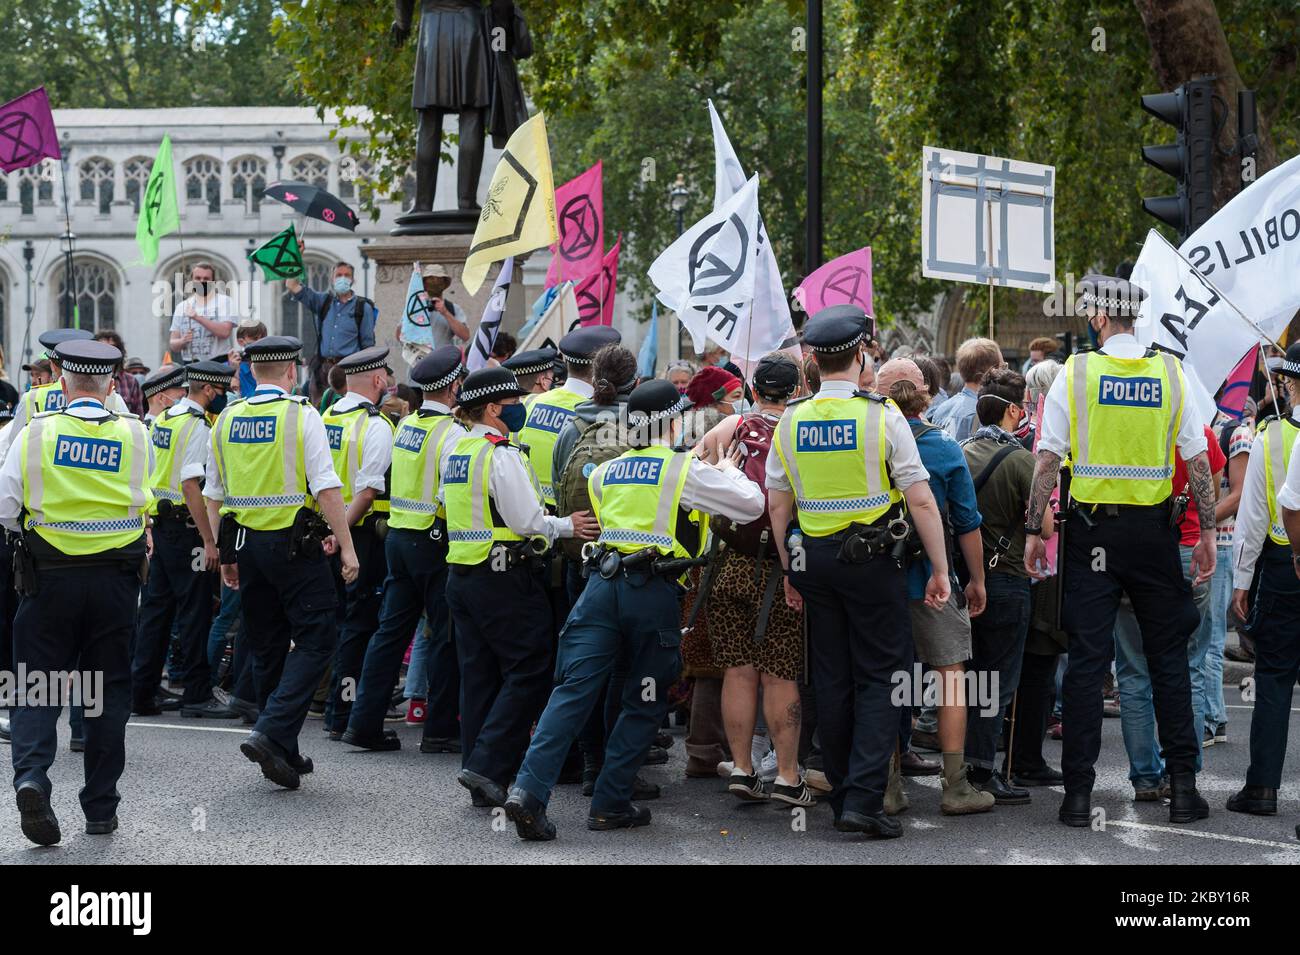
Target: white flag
{"x": 490, "y": 323}
{"x": 769, "y": 312}
{"x": 707, "y": 275}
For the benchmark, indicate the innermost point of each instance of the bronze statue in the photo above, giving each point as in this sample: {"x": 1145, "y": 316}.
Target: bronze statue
{"x": 464, "y": 64}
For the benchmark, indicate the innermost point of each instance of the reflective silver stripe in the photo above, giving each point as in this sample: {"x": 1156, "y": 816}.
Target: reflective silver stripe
{"x": 433, "y": 456}
{"x": 275, "y": 500}
{"x": 1080, "y": 383}
{"x": 219, "y": 449}
{"x": 35, "y": 477}
{"x": 139, "y": 460}
{"x": 786, "y": 429}
{"x": 1175, "y": 400}
{"x": 596, "y": 487}
{"x": 477, "y": 495}
{"x": 353, "y": 462}
{"x": 1277, "y": 464}
{"x": 666, "y": 515}
{"x": 614, "y": 535}
{"x": 871, "y": 450}
{"x": 290, "y": 447}
{"x": 422, "y": 507}
{"x": 185, "y": 432}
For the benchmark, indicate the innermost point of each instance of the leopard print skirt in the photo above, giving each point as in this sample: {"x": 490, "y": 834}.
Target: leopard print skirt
{"x": 733, "y": 616}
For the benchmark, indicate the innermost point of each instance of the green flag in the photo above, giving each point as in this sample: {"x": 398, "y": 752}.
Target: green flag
{"x": 280, "y": 258}
{"x": 158, "y": 212}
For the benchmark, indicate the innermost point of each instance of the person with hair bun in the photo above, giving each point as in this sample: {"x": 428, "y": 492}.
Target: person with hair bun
{"x": 1004, "y": 473}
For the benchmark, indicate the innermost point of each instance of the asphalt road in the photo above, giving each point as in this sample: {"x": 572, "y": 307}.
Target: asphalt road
{"x": 190, "y": 797}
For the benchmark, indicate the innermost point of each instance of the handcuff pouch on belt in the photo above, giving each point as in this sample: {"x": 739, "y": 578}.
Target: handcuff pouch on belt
{"x": 24, "y": 567}
{"x": 227, "y": 531}
{"x": 517, "y": 553}
{"x": 863, "y": 542}
{"x": 307, "y": 535}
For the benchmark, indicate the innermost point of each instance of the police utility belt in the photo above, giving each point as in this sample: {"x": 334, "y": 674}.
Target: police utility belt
{"x": 306, "y": 535}
{"x": 892, "y": 534}
{"x": 1089, "y": 514}
{"x": 170, "y": 512}
{"x": 610, "y": 563}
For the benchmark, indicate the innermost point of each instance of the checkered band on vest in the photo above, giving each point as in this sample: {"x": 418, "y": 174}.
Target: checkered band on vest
{"x": 92, "y": 527}
{"x": 470, "y": 537}
{"x": 837, "y": 505}
{"x": 1123, "y": 472}
{"x": 276, "y": 500}
{"x": 421, "y": 507}
{"x": 616, "y": 536}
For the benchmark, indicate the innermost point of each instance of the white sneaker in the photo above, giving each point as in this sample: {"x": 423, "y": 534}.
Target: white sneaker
{"x": 767, "y": 768}
{"x": 759, "y": 748}
{"x": 725, "y": 767}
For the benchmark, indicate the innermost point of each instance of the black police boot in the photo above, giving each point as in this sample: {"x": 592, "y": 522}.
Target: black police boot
{"x": 39, "y": 823}
{"x": 1255, "y": 800}
{"x": 272, "y": 758}
{"x": 591, "y": 764}
{"x": 385, "y": 742}
{"x": 302, "y": 764}
{"x": 1004, "y": 794}
{"x": 1185, "y": 803}
{"x": 528, "y": 813}
{"x": 872, "y": 824}
{"x": 633, "y": 817}
{"x": 477, "y": 783}
{"x": 1076, "y": 810}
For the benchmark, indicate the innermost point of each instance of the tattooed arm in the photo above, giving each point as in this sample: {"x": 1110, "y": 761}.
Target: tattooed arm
{"x": 1046, "y": 470}
{"x": 1200, "y": 482}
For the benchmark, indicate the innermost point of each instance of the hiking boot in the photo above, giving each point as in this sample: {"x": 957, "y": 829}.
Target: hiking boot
{"x": 895, "y": 797}
{"x": 960, "y": 798}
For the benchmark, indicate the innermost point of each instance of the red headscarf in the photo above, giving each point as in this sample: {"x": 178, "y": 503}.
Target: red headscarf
{"x": 711, "y": 384}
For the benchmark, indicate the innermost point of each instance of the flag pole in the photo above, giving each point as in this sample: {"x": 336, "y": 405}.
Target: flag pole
{"x": 1213, "y": 288}
{"x": 1268, "y": 377}
{"x": 69, "y": 276}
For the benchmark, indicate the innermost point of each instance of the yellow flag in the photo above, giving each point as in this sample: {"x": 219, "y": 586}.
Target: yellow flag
{"x": 519, "y": 212}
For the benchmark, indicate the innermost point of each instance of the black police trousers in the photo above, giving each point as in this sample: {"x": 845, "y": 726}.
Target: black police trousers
{"x": 1134, "y": 552}
{"x": 80, "y": 618}
{"x": 175, "y": 593}
{"x": 286, "y": 600}
{"x": 1275, "y": 623}
{"x": 502, "y": 622}
{"x": 361, "y": 602}
{"x": 860, "y": 636}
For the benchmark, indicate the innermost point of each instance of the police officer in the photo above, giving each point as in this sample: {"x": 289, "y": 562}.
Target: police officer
{"x": 266, "y": 453}
{"x": 497, "y": 528}
{"x": 547, "y": 413}
{"x": 361, "y": 443}
{"x": 80, "y": 477}
{"x": 652, "y": 503}
{"x": 1119, "y": 413}
{"x": 49, "y": 396}
{"x": 416, "y": 551}
{"x": 184, "y": 562}
{"x": 846, "y": 459}
{"x": 535, "y": 370}
{"x": 162, "y": 389}
{"x": 1260, "y": 540}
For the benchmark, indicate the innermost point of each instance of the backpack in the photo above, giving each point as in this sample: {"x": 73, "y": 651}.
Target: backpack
{"x": 593, "y": 447}
{"x": 358, "y": 315}
{"x": 754, "y": 434}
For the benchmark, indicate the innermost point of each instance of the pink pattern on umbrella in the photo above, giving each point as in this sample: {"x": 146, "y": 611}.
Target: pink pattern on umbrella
{"x": 327, "y": 215}
{"x": 290, "y": 197}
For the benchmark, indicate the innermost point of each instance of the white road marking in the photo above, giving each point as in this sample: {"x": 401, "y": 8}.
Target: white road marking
{"x": 201, "y": 729}
{"x": 1201, "y": 834}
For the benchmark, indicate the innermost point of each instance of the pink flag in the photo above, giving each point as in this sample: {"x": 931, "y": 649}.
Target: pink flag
{"x": 580, "y": 220}
{"x": 1233, "y": 399}
{"x": 595, "y": 293}
{"x": 27, "y": 133}
{"x": 846, "y": 280}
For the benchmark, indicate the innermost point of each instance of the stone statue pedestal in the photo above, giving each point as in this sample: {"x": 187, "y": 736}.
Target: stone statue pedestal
{"x": 446, "y": 222}
{"x": 393, "y": 257}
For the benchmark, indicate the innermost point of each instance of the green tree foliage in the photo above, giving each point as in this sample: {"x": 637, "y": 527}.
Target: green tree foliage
{"x": 144, "y": 53}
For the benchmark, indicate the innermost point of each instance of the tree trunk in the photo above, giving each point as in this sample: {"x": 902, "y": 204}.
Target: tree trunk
{"x": 1187, "y": 41}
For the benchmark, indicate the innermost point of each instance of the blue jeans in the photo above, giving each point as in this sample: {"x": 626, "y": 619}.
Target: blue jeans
{"x": 417, "y": 670}
{"x": 1207, "y": 680}
{"x": 227, "y": 617}
{"x": 1136, "y": 706}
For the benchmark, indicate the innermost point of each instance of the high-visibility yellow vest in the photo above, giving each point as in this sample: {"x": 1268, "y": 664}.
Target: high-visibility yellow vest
{"x": 84, "y": 482}
{"x": 1124, "y": 415}
{"x": 346, "y": 432}
{"x": 42, "y": 398}
{"x": 473, "y": 525}
{"x": 836, "y": 457}
{"x": 260, "y": 459}
{"x": 417, "y": 456}
{"x": 547, "y": 415}
{"x": 637, "y": 499}
{"x": 1277, "y": 440}
{"x": 171, "y": 434}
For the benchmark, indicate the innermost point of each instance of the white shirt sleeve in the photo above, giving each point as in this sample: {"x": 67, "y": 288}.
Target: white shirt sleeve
{"x": 212, "y": 487}
{"x": 775, "y": 477}
{"x": 195, "y": 461}
{"x": 11, "y": 487}
{"x": 730, "y": 493}
{"x": 905, "y": 467}
{"x": 376, "y": 455}
{"x": 516, "y": 499}
{"x": 1288, "y": 495}
{"x": 316, "y": 453}
{"x": 1252, "y": 520}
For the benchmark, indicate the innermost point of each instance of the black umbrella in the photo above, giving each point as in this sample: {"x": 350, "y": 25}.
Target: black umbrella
{"x": 314, "y": 203}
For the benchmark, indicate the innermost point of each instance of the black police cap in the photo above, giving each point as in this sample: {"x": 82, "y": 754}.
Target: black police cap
{"x": 1290, "y": 366}
{"x": 836, "y": 328}
{"x": 274, "y": 348}
{"x": 368, "y": 359}
{"x": 87, "y": 357}
{"x": 653, "y": 401}
{"x": 532, "y": 362}
{"x": 438, "y": 369}
{"x": 209, "y": 372}
{"x": 488, "y": 384}
{"x": 168, "y": 376}
{"x": 582, "y": 343}
{"x": 1116, "y": 296}
{"x": 57, "y": 336}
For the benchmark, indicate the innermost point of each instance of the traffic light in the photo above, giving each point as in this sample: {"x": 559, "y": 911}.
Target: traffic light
{"x": 1190, "y": 160}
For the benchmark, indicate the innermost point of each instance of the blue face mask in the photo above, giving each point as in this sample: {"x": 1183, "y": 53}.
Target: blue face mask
{"x": 343, "y": 285}
{"x": 514, "y": 417}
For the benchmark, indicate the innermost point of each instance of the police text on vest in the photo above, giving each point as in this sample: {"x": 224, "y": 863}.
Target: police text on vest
{"x": 95, "y": 454}
{"x": 1129, "y": 392}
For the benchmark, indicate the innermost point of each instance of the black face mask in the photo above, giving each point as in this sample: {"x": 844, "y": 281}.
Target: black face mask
{"x": 217, "y": 404}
